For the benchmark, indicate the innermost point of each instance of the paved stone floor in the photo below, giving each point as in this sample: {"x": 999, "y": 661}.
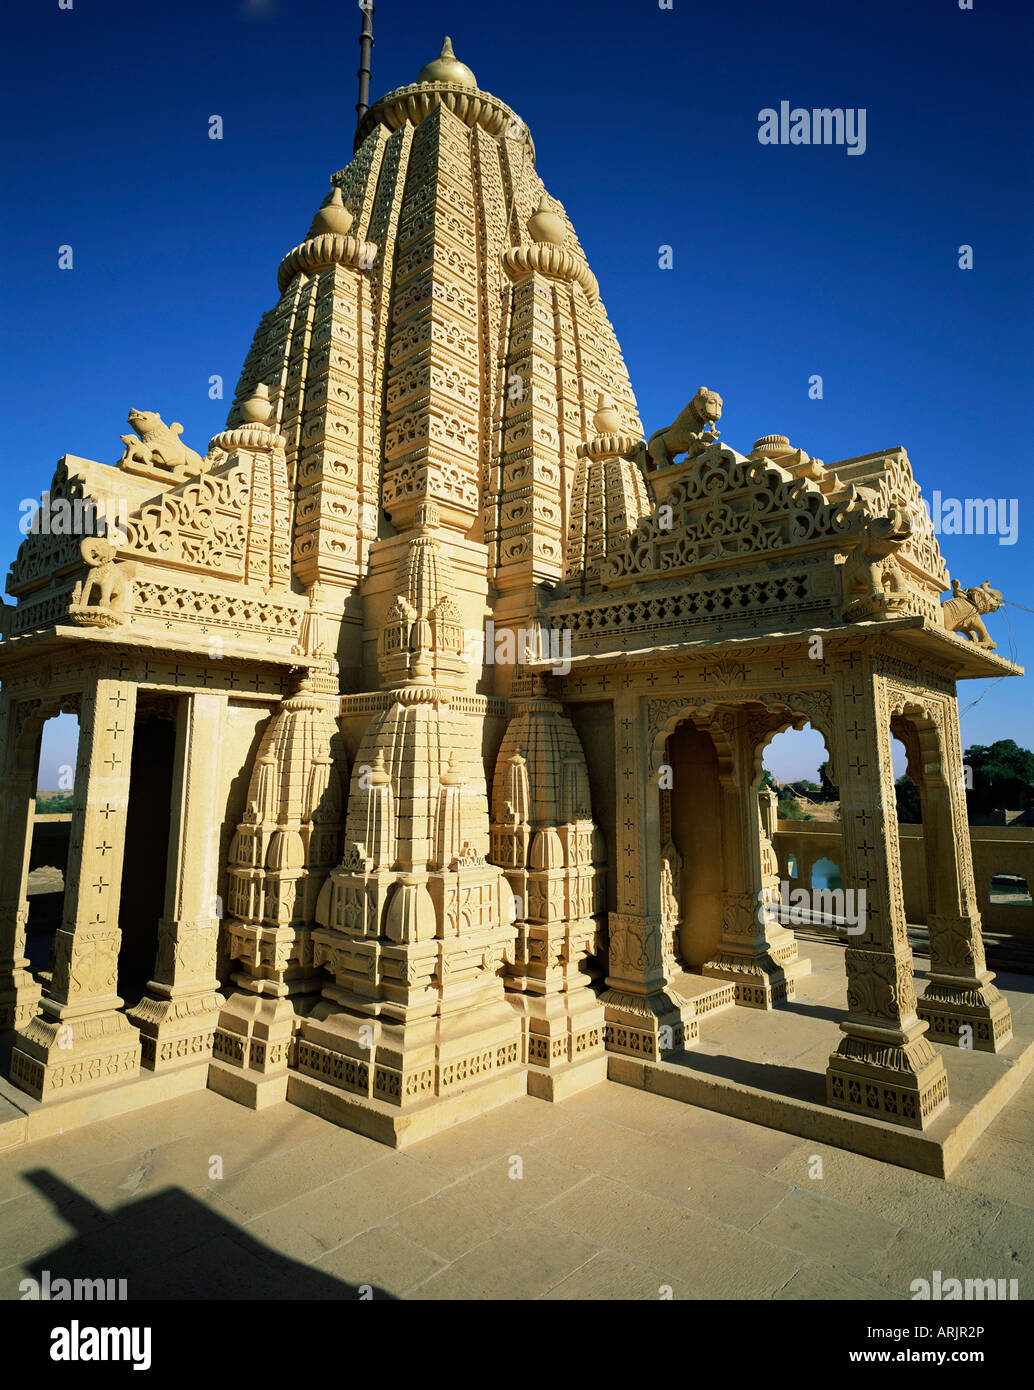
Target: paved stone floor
{"x": 615, "y": 1194}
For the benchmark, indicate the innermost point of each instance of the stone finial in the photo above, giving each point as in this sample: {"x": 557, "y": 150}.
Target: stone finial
{"x": 334, "y": 216}
{"x": 545, "y": 225}
{"x": 606, "y": 419}
{"x": 447, "y": 68}
{"x": 772, "y": 446}
{"x": 258, "y": 408}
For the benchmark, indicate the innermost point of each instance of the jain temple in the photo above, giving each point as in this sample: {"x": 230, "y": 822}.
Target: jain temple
{"x": 422, "y": 715}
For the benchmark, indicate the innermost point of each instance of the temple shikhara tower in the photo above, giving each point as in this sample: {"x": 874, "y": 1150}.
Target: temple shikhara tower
{"x": 422, "y": 716}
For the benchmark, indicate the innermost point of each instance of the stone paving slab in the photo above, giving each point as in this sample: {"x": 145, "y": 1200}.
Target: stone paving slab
{"x": 614, "y": 1194}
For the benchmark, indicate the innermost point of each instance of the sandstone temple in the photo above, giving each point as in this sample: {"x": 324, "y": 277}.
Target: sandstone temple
{"x": 422, "y": 716}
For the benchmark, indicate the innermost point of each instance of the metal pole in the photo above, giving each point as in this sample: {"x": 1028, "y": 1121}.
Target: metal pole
{"x": 365, "y": 49}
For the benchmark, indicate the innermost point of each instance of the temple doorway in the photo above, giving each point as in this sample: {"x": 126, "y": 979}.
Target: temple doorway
{"x": 52, "y": 820}
{"x": 696, "y": 835}
{"x": 142, "y": 903}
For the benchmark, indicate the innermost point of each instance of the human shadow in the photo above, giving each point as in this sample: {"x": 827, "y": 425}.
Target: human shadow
{"x": 169, "y": 1245}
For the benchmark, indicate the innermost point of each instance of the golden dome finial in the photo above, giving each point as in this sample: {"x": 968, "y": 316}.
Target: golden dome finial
{"x": 606, "y": 420}
{"x": 546, "y": 225}
{"x": 334, "y": 215}
{"x": 258, "y": 408}
{"x": 448, "y": 68}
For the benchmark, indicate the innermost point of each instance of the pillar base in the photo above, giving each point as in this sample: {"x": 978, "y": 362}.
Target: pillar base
{"x": 255, "y": 1032}
{"x": 563, "y": 1042}
{"x": 20, "y": 995}
{"x": 648, "y": 1025}
{"x": 249, "y": 1088}
{"x": 761, "y": 980}
{"x": 950, "y": 1006}
{"x": 56, "y": 1056}
{"x": 175, "y": 1030}
{"x": 888, "y": 1075}
{"x": 385, "y": 1122}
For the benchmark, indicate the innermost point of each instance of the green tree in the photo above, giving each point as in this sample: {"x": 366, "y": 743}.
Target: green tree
{"x": 1002, "y": 776}
{"x": 910, "y": 807}
{"x": 790, "y": 808}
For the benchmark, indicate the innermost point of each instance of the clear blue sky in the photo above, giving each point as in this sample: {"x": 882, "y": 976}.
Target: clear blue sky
{"x": 788, "y": 260}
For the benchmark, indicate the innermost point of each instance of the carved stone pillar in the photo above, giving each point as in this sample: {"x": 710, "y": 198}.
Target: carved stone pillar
{"x": 960, "y": 1002}
{"x": 178, "y": 1013}
{"x": 544, "y": 839}
{"x": 756, "y": 953}
{"x": 81, "y": 1039}
{"x": 645, "y": 1016}
{"x": 885, "y": 1067}
{"x": 19, "y": 992}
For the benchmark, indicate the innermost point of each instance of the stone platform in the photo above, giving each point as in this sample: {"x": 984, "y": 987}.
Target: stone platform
{"x": 620, "y": 1195}
{"x": 770, "y": 1069}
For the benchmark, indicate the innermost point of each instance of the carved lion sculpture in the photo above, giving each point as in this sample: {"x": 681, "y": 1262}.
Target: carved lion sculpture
{"x": 961, "y": 612}
{"x": 872, "y": 579}
{"x": 104, "y": 597}
{"x": 691, "y": 432}
{"x": 159, "y": 444}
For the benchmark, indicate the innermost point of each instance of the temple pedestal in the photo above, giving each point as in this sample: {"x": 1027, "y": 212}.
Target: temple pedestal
{"x": 563, "y": 1042}
{"x": 253, "y": 1046}
{"x": 397, "y": 1082}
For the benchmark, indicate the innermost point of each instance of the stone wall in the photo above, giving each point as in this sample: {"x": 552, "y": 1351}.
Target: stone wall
{"x": 996, "y": 850}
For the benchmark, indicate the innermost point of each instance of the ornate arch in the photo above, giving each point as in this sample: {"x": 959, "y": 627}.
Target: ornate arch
{"x": 711, "y": 715}
{"x": 29, "y": 716}
{"x": 918, "y": 721}
{"x": 764, "y": 712}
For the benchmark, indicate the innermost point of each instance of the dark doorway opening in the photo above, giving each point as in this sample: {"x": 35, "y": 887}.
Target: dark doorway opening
{"x": 56, "y": 760}
{"x": 147, "y": 850}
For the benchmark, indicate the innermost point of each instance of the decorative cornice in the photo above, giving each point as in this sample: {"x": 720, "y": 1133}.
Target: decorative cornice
{"x": 255, "y": 437}
{"x": 553, "y": 261}
{"x": 329, "y": 248}
{"x": 472, "y": 106}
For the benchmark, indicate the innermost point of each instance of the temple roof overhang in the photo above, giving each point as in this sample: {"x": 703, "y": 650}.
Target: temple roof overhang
{"x": 68, "y": 642}
{"x": 944, "y": 654}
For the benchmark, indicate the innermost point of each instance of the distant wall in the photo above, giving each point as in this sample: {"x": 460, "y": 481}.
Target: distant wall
{"x": 50, "y": 836}
{"x": 997, "y": 849}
